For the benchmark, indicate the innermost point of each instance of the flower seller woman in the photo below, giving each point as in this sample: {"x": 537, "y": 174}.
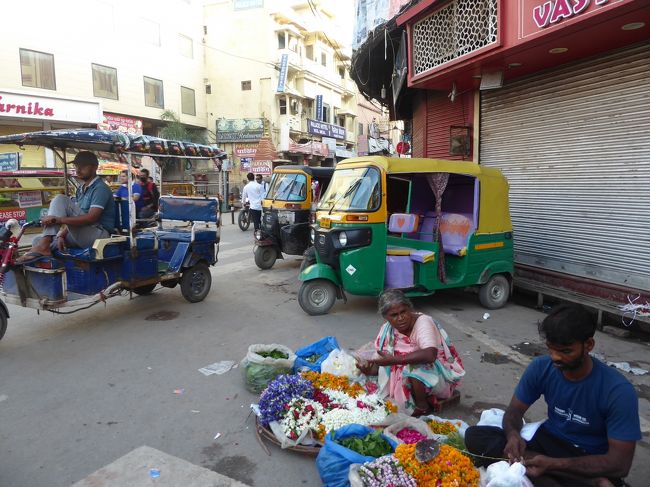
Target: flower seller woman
{"x": 416, "y": 364}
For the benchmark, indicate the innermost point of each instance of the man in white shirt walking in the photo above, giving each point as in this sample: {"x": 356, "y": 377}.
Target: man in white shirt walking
{"x": 254, "y": 192}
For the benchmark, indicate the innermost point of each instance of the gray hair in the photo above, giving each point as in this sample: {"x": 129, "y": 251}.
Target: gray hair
{"x": 390, "y": 298}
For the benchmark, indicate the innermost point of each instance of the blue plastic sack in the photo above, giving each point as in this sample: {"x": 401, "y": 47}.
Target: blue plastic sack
{"x": 322, "y": 347}
{"x": 334, "y": 460}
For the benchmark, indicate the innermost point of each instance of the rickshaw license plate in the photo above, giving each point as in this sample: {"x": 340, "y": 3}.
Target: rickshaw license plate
{"x": 325, "y": 223}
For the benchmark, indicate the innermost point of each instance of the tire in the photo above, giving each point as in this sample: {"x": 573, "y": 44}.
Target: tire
{"x": 244, "y": 220}
{"x": 309, "y": 258}
{"x": 494, "y": 294}
{"x": 265, "y": 256}
{"x": 3, "y": 322}
{"x": 144, "y": 290}
{"x": 317, "y": 297}
{"x": 196, "y": 282}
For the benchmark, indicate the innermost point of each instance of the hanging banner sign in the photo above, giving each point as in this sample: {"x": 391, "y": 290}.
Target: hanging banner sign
{"x": 282, "y": 79}
{"x": 325, "y": 129}
{"x": 319, "y": 107}
{"x": 245, "y": 150}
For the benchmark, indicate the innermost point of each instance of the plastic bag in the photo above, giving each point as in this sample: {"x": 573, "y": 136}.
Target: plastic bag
{"x": 353, "y": 476}
{"x": 305, "y": 438}
{"x": 501, "y": 474}
{"x": 259, "y": 371}
{"x": 322, "y": 348}
{"x": 460, "y": 425}
{"x": 334, "y": 460}
{"x": 340, "y": 363}
{"x": 413, "y": 423}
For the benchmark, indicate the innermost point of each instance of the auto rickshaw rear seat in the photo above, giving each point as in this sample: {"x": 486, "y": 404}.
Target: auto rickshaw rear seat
{"x": 455, "y": 231}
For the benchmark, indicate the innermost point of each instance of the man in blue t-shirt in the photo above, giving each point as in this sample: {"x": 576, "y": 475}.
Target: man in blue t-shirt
{"x": 90, "y": 217}
{"x": 593, "y": 411}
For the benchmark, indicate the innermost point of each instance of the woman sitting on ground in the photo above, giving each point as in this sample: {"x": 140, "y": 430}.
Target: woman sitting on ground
{"x": 417, "y": 367}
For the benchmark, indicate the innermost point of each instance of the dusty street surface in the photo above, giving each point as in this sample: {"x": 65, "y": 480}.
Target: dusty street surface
{"x": 79, "y": 391}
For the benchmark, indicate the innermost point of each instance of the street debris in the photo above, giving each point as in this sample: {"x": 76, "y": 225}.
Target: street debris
{"x": 217, "y": 368}
{"x": 178, "y": 392}
{"x": 195, "y": 411}
{"x": 633, "y": 309}
{"x": 216, "y": 436}
{"x": 624, "y": 366}
{"x": 486, "y": 316}
{"x": 154, "y": 473}
{"x": 3, "y": 397}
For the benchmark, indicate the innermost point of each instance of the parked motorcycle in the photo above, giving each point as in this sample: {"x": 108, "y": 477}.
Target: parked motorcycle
{"x": 244, "y": 219}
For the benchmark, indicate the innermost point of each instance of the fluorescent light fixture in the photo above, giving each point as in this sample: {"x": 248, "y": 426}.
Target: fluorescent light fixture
{"x": 558, "y": 50}
{"x": 633, "y": 26}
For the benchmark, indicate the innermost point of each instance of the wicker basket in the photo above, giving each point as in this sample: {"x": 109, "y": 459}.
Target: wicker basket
{"x": 264, "y": 433}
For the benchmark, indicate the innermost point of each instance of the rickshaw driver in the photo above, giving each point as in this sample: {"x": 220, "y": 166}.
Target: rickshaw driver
{"x": 92, "y": 216}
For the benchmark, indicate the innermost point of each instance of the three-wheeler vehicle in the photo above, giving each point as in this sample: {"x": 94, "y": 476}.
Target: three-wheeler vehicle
{"x": 178, "y": 252}
{"x": 287, "y": 212}
{"x": 419, "y": 225}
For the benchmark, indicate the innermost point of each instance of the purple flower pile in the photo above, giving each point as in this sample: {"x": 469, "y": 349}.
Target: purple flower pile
{"x": 279, "y": 393}
{"x": 385, "y": 472}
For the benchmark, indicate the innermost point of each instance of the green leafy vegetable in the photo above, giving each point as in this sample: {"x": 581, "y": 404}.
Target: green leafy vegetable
{"x": 313, "y": 358}
{"x": 456, "y": 441}
{"x": 273, "y": 354}
{"x": 371, "y": 445}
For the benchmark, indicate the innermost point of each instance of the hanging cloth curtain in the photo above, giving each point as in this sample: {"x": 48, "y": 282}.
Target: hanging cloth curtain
{"x": 438, "y": 183}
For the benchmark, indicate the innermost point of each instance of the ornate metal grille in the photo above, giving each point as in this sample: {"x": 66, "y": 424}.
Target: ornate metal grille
{"x": 459, "y": 28}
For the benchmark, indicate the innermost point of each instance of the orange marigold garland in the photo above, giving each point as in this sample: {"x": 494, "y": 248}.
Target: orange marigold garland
{"x": 449, "y": 469}
{"x": 331, "y": 381}
{"x": 442, "y": 427}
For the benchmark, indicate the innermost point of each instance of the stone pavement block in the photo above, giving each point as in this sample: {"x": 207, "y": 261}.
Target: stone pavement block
{"x": 133, "y": 470}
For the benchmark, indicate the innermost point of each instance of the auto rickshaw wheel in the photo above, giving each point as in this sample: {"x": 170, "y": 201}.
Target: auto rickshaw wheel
{"x": 308, "y": 258}
{"x": 244, "y": 220}
{"x": 494, "y": 294}
{"x": 3, "y": 322}
{"x": 265, "y": 256}
{"x": 196, "y": 282}
{"x": 317, "y": 297}
{"x": 144, "y": 290}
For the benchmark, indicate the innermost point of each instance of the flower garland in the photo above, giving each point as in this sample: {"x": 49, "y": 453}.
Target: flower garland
{"x": 443, "y": 427}
{"x": 331, "y": 381}
{"x": 385, "y": 472}
{"x": 301, "y": 415}
{"x": 449, "y": 469}
{"x": 279, "y": 393}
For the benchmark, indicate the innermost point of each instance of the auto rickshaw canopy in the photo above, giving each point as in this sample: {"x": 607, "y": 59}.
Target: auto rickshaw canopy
{"x": 494, "y": 212}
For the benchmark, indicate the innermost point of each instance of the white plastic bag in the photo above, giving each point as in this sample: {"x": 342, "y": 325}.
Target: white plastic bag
{"x": 461, "y": 426}
{"x": 259, "y": 371}
{"x": 501, "y": 474}
{"x": 353, "y": 476}
{"x": 414, "y": 423}
{"x": 340, "y": 363}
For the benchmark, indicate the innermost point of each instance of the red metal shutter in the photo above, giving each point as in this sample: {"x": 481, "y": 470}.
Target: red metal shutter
{"x": 442, "y": 114}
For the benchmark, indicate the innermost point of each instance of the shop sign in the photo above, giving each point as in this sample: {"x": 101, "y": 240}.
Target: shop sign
{"x": 265, "y": 168}
{"x": 120, "y": 123}
{"x": 240, "y": 129}
{"x": 20, "y": 215}
{"x": 325, "y": 129}
{"x": 542, "y": 14}
{"x": 10, "y": 161}
{"x": 46, "y": 108}
{"x": 245, "y": 150}
{"x": 284, "y": 67}
{"x": 246, "y": 163}
{"x": 319, "y": 107}
{"x": 29, "y": 199}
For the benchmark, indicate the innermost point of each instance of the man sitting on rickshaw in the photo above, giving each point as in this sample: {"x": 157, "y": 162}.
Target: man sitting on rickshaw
{"x": 90, "y": 217}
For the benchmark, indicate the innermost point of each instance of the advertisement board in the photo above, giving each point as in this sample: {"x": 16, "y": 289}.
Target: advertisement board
{"x": 240, "y": 129}
{"x": 325, "y": 129}
{"x": 10, "y": 161}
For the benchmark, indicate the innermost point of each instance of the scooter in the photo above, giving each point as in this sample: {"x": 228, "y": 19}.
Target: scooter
{"x": 244, "y": 219}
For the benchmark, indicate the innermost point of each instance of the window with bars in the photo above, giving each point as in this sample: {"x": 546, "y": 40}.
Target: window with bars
{"x": 246, "y": 85}
{"x": 188, "y": 101}
{"x": 459, "y": 28}
{"x": 283, "y": 106}
{"x": 104, "y": 81}
{"x": 37, "y": 69}
{"x": 153, "y": 93}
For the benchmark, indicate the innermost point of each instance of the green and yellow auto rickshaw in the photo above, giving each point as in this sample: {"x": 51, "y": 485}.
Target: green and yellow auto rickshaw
{"x": 287, "y": 211}
{"x": 419, "y": 225}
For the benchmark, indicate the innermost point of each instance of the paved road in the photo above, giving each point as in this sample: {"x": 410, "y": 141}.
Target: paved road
{"x": 79, "y": 391}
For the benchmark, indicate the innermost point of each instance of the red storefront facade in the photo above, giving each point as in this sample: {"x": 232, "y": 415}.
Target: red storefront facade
{"x": 556, "y": 93}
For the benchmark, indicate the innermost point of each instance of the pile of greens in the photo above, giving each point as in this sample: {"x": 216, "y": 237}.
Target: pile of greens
{"x": 313, "y": 358}
{"x": 371, "y": 445}
{"x": 273, "y": 354}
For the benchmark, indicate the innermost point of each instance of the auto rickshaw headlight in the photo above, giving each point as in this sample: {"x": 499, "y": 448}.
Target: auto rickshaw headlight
{"x": 343, "y": 239}
{"x": 258, "y": 234}
{"x": 312, "y": 235}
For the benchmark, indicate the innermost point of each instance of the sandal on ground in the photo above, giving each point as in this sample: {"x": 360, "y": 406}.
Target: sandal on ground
{"x": 29, "y": 257}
